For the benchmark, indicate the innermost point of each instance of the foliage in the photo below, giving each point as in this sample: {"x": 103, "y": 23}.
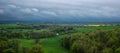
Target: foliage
{"x": 36, "y": 49}
{"x": 3, "y": 45}
{"x": 7, "y": 46}
{"x": 15, "y": 45}
{"x": 63, "y": 30}
{"x": 107, "y": 50}
{"x": 9, "y": 51}
{"x": 27, "y": 35}
{"x": 117, "y": 50}
{"x": 88, "y": 42}
{"x": 93, "y": 42}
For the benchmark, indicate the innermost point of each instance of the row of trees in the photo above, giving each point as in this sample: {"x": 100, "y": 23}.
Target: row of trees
{"x": 63, "y": 30}
{"x": 24, "y": 26}
{"x": 27, "y": 35}
{"x": 93, "y": 42}
{"x": 41, "y": 34}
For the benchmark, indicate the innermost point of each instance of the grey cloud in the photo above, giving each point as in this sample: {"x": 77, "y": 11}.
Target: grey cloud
{"x": 13, "y": 6}
{"x": 35, "y": 9}
{"x": 48, "y": 13}
{"x": 1, "y": 11}
{"x": 29, "y": 10}
{"x": 63, "y": 8}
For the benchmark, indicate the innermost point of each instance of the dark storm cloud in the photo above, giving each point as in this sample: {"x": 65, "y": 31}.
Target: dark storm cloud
{"x": 61, "y": 9}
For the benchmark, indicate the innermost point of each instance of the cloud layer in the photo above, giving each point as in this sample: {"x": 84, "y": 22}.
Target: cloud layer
{"x": 107, "y": 10}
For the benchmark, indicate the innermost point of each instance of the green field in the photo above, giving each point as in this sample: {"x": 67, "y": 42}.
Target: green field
{"x": 88, "y": 29}
{"x": 52, "y": 45}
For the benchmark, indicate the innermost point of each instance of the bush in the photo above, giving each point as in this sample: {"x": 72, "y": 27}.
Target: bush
{"x": 117, "y": 50}
{"x": 36, "y": 49}
{"x": 107, "y": 50}
{"x": 3, "y": 45}
{"x": 15, "y": 45}
{"x": 9, "y": 51}
{"x": 77, "y": 48}
{"x": 65, "y": 42}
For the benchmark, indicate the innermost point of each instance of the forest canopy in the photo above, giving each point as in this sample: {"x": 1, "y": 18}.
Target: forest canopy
{"x": 101, "y": 41}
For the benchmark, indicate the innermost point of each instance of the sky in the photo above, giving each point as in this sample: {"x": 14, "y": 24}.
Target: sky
{"x": 60, "y": 10}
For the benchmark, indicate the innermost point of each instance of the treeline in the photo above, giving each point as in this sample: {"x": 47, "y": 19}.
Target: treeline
{"x": 32, "y": 26}
{"x": 24, "y": 26}
{"x": 63, "y": 30}
{"x": 93, "y": 42}
{"x": 45, "y": 33}
{"x": 27, "y": 35}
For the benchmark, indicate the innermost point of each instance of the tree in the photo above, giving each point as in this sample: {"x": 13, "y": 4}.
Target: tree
{"x": 3, "y": 45}
{"x": 36, "y": 36}
{"x": 92, "y": 49}
{"x": 65, "y": 42}
{"x": 9, "y": 51}
{"x": 107, "y": 50}
{"x": 36, "y": 49}
{"x": 77, "y": 48}
{"x": 94, "y": 42}
{"x": 25, "y": 50}
{"x": 15, "y": 45}
{"x": 117, "y": 50}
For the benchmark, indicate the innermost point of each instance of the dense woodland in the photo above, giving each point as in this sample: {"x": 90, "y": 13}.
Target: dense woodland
{"x": 93, "y": 41}
{"x": 100, "y": 41}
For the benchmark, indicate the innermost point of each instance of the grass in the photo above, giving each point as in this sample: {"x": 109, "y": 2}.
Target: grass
{"x": 88, "y": 29}
{"x": 50, "y": 45}
{"x": 25, "y": 30}
{"x": 8, "y": 25}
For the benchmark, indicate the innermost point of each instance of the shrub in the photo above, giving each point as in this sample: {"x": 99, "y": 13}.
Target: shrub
{"x": 117, "y": 50}
{"x": 107, "y": 50}
{"x": 9, "y": 51}
{"x": 36, "y": 49}
{"x": 77, "y": 48}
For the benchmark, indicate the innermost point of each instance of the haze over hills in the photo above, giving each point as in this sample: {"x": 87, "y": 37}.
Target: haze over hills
{"x": 55, "y": 11}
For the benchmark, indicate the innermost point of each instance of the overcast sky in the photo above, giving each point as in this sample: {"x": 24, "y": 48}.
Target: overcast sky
{"x": 60, "y": 9}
